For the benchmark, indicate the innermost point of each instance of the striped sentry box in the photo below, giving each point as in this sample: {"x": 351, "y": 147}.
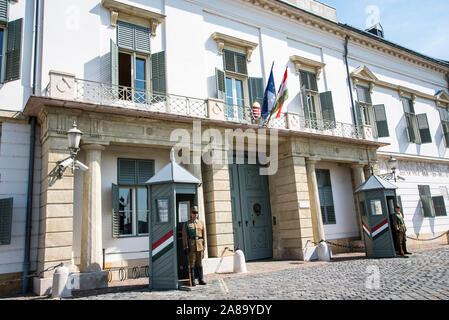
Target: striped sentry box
{"x": 380, "y": 229}
{"x": 162, "y": 246}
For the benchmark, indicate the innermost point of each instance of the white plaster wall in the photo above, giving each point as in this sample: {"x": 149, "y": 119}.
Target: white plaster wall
{"x": 14, "y": 155}
{"x": 109, "y": 176}
{"x": 408, "y": 190}
{"x": 14, "y": 94}
{"x": 345, "y": 213}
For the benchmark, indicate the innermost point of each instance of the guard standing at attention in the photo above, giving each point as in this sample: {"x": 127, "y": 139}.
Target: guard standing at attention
{"x": 194, "y": 243}
{"x": 400, "y": 230}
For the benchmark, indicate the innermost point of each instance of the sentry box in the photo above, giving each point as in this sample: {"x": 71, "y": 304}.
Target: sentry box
{"x": 173, "y": 190}
{"x": 376, "y": 199}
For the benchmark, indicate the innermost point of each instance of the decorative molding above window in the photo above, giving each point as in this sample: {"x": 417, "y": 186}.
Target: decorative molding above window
{"x": 121, "y": 10}
{"x": 301, "y": 62}
{"x": 442, "y": 97}
{"x": 363, "y": 75}
{"x": 223, "y": 39}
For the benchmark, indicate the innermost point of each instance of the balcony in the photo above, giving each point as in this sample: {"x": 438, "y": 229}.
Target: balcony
{"x": 68, "y": 87}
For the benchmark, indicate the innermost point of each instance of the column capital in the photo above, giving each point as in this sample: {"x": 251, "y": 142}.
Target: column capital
{"x": 312, "y": 160}
{"x": 92, "y": 146}
{"x": 357, "y": 165}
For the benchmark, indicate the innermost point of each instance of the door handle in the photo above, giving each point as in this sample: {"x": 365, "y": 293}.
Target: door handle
{"x": 246, "y": 223}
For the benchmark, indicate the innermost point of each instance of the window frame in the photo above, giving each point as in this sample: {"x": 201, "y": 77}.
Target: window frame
{"x": 366, "y": 108}
{"x": 244, "y": 78}
{"x": 311, "y": 97}
{"x": 410, "y": 118}
{"x": 134, "y": 56}
{"x": 135, "y": 209}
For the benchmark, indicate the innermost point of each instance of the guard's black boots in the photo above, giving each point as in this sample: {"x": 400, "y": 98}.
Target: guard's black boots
{"x": 200, "y": 276}
{"x": 192, "y": 275}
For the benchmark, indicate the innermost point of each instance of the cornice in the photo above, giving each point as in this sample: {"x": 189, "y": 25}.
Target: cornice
{"x": 301, "y": 61}
{"x": 223, "y": 39}
{"x": 117, "y": 8}
{"x": 311, "y": 20}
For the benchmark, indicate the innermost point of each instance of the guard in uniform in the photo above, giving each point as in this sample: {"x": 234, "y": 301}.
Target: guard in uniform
{"x": 194, "y": 243}
{"x": 400, "y": 230}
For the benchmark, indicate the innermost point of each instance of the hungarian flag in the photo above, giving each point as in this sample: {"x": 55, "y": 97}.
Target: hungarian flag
{"x": 281, "y": 97}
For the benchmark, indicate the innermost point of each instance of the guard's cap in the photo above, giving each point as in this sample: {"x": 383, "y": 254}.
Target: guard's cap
{"x": 194, "y": 209}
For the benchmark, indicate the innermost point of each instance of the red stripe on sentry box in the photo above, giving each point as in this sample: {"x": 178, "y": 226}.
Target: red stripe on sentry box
{"x": 379, "y": 225}
{"x": 161, "y": 240}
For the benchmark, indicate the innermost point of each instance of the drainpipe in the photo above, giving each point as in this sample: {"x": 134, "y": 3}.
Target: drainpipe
{"x": 356, "y": 121}
{"x": 29, "y": 207}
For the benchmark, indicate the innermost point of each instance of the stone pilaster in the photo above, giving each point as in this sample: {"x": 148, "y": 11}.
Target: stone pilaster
{"x": 358, "y": 178}
{"x": 218, "y": 209}
{"x": 290, "y": 207}
{"x": 317, "y": 221}
{"x": 56, "y": 209}
{"x": 195, "y": 169}
{"x": 91, "y": 235}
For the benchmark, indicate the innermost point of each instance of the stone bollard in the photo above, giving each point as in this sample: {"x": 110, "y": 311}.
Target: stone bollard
{"x": 60, "y": 280}
{"x": 239, "y": 262}
{"x": 324, "y": 252}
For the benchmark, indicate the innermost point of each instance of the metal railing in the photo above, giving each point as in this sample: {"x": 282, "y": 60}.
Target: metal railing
{"x": 126, "y": 97}
{"x": 136, "y": 99}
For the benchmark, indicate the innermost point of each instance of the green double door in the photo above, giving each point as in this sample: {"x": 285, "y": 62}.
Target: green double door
{"x": 251, "y": 214}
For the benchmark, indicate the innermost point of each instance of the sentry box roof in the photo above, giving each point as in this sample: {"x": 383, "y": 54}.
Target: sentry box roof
{"x": 173, "y": 173}
{"x": 375, "y": 183}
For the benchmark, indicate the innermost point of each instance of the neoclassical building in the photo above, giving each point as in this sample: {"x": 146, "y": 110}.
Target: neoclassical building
{"x": 140, "y": 78}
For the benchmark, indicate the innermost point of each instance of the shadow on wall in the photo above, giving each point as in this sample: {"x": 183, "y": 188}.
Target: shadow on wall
{"x": 441, "y": 143}
{"x": 98, "y": 69}
{"x": 417, "y": 219}
{"x": 401, "y": 135}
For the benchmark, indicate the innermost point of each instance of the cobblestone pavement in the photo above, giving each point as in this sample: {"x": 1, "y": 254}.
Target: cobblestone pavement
{"x": 422, "y": 276}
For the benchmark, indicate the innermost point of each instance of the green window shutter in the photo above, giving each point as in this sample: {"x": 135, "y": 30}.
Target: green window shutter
{"x": 381, "y": 121}
{"x": 142, "y": 39}
{"x": 229, "y": 61}
{"x": 221, "y": 84}
{"x": 426, "y": 201}
{"x": 423, "y": 127}
{"x": 444, "y": 116}
{"x": 114, "y": 64}
{"x": 440, "y": 207}
{"x": 127, "y": 172}
{"x": 241, "y": 67}
{"x": 363, "y": 95}
{"x": 358, "y": 113}
{"x": 326, "y": 196}
{"x": 410, "y": 119}
{"x": 3, "y": 10}
{"x": 13, "y": 50}
{"x": 327, "y": 109}
{"x": 158, "y": 78}
{"x": 145, "y": 170}
{"x": 115, "y": 211}
{"x": 256, "y": 90}
{"x": 304, "y": 102}
{"x": 125, "y": 35}
{"x": 445, "y": 126}
{"x": 6, "y": 207}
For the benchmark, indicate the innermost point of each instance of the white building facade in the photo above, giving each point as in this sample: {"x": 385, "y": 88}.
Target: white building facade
{"x": 130, "y": 73}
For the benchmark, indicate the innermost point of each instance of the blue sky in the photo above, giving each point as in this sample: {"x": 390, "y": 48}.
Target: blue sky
{"x": 420, "y": 25}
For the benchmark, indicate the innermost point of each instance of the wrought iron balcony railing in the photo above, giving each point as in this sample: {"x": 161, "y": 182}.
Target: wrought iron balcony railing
{"x": 125, "y": 97}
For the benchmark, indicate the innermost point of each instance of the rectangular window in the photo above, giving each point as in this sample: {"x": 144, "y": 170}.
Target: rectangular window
{"x": 235, "y": 62}
{"x": 130, "y": 197}
{"x": 444, "y": 116}
{"x": 6, "y": 207}
{"x": 424, "y": 130}
{"x": 162, "y": 206}
{"x": 326, "y": 197}
{"x": 365, "y": 106}
{"x": 426, "y": 201}
{"x": 439, "y": 205}
{"x": 309, "y": 90}
{"x": 410, "y": 117}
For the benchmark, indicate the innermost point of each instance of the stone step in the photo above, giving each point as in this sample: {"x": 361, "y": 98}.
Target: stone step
{"x": 359, "y": 245}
